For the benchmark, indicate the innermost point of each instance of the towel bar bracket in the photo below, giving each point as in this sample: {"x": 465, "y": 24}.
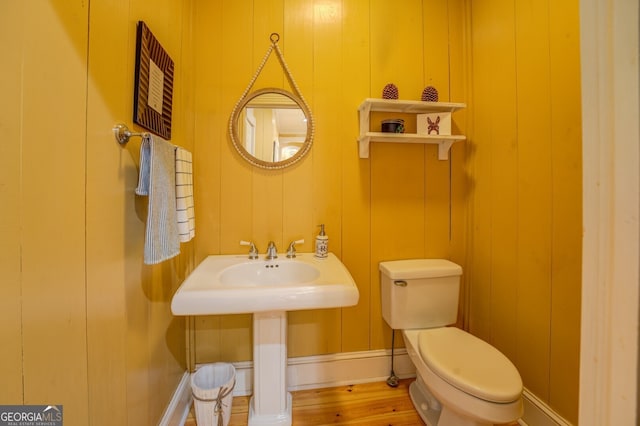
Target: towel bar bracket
{"x": 123, "y": 134}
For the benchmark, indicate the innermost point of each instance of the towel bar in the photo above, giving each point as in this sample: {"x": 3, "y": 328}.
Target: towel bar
{"x": 123, "y": 134}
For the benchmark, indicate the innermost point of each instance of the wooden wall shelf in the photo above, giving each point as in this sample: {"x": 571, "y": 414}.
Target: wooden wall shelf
{"x": 413, "y": 107}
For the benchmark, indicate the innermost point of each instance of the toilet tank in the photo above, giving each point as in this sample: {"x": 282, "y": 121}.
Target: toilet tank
{"x": 419, "y": 293}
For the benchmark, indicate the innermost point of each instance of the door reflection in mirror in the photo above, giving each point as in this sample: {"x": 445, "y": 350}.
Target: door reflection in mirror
{"x": 273, "y": 134}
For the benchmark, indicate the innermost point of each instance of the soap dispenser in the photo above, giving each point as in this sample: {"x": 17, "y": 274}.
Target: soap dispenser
{"x": 322, "y": 244}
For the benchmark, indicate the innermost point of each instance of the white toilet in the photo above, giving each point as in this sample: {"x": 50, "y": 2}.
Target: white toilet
{"x": 461, "y": 380}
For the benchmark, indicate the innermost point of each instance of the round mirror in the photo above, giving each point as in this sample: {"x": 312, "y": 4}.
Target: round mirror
{"x": 271, "y": 128}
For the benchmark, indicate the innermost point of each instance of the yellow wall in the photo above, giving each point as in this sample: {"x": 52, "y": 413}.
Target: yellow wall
{"x": 82, "y": 322}
{"x": 525, "y": 165}
{"x": 88, "y": 326}
{"x": 395, "y": 204}
{"x": 506, "y": 207}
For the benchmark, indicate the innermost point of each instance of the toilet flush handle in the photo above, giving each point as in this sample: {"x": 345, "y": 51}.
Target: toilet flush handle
{"x": 400, "y": 283}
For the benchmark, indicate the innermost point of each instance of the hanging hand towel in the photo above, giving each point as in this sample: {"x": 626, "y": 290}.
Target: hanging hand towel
{"x": 184, "y": 195}
{"x": 157, "y": 180}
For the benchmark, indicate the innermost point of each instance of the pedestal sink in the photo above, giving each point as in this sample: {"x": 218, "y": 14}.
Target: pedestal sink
{"x": 233, "y": 284}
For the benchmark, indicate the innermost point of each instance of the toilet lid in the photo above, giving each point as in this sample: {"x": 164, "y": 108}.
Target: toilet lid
{"x": 470, "y": 364}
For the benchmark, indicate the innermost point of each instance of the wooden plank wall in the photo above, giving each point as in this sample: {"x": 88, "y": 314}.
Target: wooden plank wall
{"x": 506, "y": 206}
{"x": 396, "y": 204}
{"x": 83, "y": 322}
{"x": 525, "y": 211}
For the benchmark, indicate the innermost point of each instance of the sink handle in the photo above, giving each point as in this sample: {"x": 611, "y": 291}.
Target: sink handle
{"x": 291, "y": 252}
{"x": 253, "y": 251}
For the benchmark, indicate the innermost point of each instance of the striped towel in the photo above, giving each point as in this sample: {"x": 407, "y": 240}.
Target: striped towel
{"x": 157, "y": 180}
{"x": 184, "y": 195}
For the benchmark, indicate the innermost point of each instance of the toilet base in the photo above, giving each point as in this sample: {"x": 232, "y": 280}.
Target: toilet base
{"x": 432, "y": 412}
{"x": 425, "y": 404}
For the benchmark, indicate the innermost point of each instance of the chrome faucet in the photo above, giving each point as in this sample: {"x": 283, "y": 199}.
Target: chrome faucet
{"x": 272, "y": 252}
{"x": 291, "y": 252}
{"x": 253, "y": 251}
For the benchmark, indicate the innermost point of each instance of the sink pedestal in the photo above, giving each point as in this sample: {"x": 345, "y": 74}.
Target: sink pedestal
{"x": 270, "y": 403}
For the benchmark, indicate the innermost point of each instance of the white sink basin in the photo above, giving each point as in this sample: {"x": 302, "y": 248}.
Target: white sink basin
{"x": 233, "y": 284}
{"x": 268, "y": 274}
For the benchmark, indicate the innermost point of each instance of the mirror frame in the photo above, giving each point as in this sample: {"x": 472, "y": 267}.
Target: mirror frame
{"x": 237, "y": 142}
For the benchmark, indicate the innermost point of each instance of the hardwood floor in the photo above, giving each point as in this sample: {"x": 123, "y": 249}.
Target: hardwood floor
{"x": 371, "y": 404}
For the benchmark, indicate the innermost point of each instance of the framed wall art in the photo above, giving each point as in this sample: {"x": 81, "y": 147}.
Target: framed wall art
{"x": 152, "y": 99}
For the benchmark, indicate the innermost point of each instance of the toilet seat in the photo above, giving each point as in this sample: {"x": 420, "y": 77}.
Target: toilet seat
{"x": 470, "y": 364}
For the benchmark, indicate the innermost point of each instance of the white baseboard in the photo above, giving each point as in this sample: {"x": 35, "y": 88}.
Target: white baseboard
{"x": 338, "y": 370}
{"x": 332, "y": 370}
{"x": 179, "y": 406}
{"x": 537, "y": 413}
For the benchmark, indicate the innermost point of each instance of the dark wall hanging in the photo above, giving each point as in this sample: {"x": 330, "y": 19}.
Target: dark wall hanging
{"x": 153, "y": 84}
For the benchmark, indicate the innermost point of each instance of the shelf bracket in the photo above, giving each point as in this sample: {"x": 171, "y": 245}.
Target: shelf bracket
{"x": 363, "y": 147}
{"x": 443, "y": 150}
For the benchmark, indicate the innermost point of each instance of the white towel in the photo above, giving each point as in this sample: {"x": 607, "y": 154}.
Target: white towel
{"x": 184, "y": 195}
{"x": 157, "y": 180}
